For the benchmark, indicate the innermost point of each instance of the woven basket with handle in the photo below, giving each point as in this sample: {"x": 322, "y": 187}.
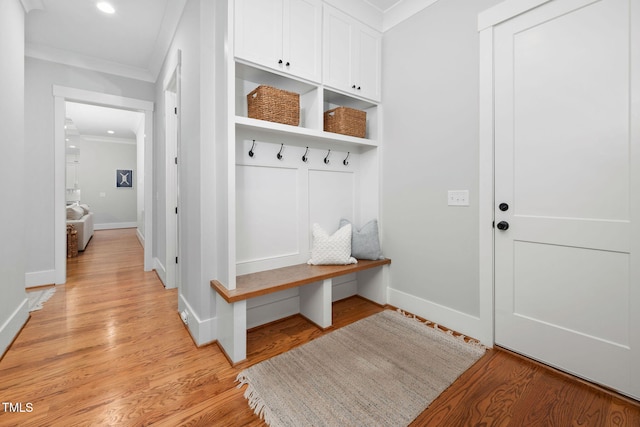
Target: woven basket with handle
{"x": 274, "y": 105}
{"x": 346, "y": 121}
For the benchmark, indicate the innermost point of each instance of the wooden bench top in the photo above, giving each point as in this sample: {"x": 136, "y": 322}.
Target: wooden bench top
{"x": 279, "y": 279}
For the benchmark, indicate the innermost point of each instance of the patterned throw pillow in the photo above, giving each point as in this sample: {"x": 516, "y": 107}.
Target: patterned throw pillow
{"x": 334, "y": 249}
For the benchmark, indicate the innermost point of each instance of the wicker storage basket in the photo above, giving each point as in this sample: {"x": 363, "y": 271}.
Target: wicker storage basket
{"x": 72, "y": 241}
{"x": 274, "y": 105}
{"x": 346, "y": 121}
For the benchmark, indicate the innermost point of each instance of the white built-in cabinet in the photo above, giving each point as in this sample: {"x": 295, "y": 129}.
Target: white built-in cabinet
{"x": 351, "y": 58}
{"x": 282, "y": 35}
{"x": 265, "y": 32}
{"x": 279, "y": 179}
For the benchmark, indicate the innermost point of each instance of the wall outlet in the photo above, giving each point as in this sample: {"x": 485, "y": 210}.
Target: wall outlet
{"x": 185, "y": 317}
{"x": 458, "y": 198}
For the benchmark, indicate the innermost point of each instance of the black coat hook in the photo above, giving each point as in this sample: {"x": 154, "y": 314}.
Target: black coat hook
{"x": 304, "y": 156}
{"x": 251, "y": 152}
{"x": 326, "y": 159}
{"x": 346, "y": 159}
{"x": 279, "y": 155}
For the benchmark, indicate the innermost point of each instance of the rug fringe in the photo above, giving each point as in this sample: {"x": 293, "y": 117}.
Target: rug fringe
{"x": 256, "y": 403}
{"x": 463, "y": 338}
{"x": 38, "y": 298}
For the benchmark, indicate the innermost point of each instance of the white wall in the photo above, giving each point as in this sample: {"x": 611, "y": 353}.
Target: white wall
{"x": 194, "y": 38}
{"x": 140, "y": 141}
{"x": 430, "y": 95}
{"x": 40, "y": 76}
{"x": 99, "y": 160}
{"x": 13, "y": 303}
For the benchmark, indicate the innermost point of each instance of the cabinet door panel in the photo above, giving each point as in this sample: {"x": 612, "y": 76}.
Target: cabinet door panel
{"x": 302, "y": 33}
{"x": 258, "y": 31}
{"x": 337, "y": 50}
{"x": 367, "y": 65}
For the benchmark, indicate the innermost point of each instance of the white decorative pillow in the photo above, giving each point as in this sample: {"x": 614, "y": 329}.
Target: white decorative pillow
{"x": 74, "y": 212}
{"x": 334, "y": 249}
{"x": 85, "y": 208}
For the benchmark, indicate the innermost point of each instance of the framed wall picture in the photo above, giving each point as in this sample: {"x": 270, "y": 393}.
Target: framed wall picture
{"x": 124, "y": 178}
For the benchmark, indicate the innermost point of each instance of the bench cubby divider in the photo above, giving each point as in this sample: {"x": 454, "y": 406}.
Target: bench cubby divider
{"x": 315, "y": 287}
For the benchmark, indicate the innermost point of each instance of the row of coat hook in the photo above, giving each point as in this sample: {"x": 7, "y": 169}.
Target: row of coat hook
{"x": 305, "y": 157}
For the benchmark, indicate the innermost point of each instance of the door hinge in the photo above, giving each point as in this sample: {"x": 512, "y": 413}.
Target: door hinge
{"x": 493, "y": 224}
{"x": 176, "y": 260}
{"x": 176, "y": 210}
{"x": 175, "y": 160}
{"x": 175, "y": 111}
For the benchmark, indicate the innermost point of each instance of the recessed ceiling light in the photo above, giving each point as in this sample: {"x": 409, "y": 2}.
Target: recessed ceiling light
{"x": 106, "y": 7}
{"x": 110, "y": 132}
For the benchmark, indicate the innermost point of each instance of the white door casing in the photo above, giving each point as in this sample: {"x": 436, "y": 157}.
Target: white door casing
{"x": 62, "y": 94}
{"x": 565, "y": 103}
{"x": 171, "y": 86}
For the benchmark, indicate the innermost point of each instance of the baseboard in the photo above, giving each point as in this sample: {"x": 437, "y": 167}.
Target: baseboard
{"x": 140, "y": 237}
{"x": 452, "y": 319}
{"x": 202, "y": 332}
{"x": 11, "y": 328}
{"x": 39, "y": 278}
{"x": 261, "y": 314}
{"x": 344, "y": 290}
{"x": 160, "y": 271}
{"x": 115, "y": 225}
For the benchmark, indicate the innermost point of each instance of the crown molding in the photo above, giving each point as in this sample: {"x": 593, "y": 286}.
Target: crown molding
{"x": 66, "y": 57}
{"x": 403, "y": 11}
{"x": 170, "y": 21}
{"x": 30, "y": 5}
{"x": 110, "y": 139}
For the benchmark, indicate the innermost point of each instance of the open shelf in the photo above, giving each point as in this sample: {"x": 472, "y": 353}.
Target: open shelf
{"x": 248, "y": 128}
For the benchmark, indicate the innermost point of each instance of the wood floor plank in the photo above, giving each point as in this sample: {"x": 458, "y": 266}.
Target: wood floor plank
{"x": 109, "y": 348}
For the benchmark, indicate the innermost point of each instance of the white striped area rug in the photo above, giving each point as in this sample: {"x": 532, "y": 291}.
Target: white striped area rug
{"x": 383, "y": 370}
{"x": 39, "y": 297}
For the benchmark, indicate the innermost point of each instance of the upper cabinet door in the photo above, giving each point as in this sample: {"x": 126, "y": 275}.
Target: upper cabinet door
{"x": 367, "y": 64}
{"x": 337, "y": 49}
{"x": 351, "y": 61}
{"x": 302, "y": 38}
{"x": 284, "y": 35}
{"x": 258, "y": 31}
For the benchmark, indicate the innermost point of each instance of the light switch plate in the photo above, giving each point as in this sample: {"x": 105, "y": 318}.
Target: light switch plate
{"x": 458, "y": 198}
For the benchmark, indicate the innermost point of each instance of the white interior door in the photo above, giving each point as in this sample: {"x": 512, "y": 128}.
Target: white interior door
{"x": 566, "y": 277}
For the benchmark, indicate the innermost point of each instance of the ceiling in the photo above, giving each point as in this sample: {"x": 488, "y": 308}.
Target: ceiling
{"x": 132, "y": 42}
{"x": 92, "y": 122}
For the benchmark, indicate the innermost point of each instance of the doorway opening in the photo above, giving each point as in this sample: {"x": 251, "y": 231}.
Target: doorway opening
{"x": 143, "y": 181}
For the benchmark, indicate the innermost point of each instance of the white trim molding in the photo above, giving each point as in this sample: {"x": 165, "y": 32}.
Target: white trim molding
{"x": 505, "y": 11}
{"x": 10, "y": 329}
{"x": 39, "y": 278}
{"x": 115, "y": 225}
{"x": 402, "y": 11}
{"x": 30, "y": 5}
{"x": 455, "y": 320}
{"x": 62, "y": 94}
{"x": 202, "y": 332}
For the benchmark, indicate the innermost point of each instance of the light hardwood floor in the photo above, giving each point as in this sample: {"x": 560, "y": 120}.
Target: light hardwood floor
{"x": 109, "y": 348}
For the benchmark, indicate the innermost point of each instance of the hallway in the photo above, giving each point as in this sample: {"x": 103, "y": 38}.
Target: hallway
{"x": 109, "y": 348}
